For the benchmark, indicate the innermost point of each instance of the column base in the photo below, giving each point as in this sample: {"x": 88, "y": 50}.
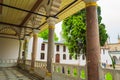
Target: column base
{"x": 31, "y": 70}
{"x": 48, "y": 76}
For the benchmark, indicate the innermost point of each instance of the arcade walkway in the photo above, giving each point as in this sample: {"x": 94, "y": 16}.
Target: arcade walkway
{"x": 15, "y": 74}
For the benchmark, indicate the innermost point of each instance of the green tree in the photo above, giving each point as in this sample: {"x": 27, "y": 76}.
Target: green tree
{"x": 44, "y": 35}
{"x": 74, "y": 31}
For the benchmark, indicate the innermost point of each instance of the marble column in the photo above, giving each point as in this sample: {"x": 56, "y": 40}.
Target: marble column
{"x": 50, "y": 52}
{"x": 20, "y": 51}
{"x": 25, "y": 53}
{"x": 34, "y": 49}
{"x": 93, "y": 44}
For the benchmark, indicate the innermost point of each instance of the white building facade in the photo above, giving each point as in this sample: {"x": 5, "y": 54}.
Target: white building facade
{"x": 61, "y": 53}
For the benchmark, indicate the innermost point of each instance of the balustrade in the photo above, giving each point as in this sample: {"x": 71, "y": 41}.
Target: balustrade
{"x": 71, "y": 72}
{"x": 8, "y": 62}
{"x": 68, "y": 72}
{"x": 110, "y": 74}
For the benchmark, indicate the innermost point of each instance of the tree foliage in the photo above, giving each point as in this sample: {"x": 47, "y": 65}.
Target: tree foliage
{"x": 74, "y": 31}
{"x": 44, "y": 35}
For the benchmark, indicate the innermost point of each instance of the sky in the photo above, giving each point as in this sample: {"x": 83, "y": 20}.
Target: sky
{"x": 110, "y": 12}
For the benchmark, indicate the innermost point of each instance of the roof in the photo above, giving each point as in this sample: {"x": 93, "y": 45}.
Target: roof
{"x": 19, "y": 17}
{"x": 114, "y": 52}
{"x": 56, "y": 42}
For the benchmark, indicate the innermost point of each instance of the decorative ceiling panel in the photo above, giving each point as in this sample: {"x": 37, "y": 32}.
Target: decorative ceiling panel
{"x": 79, "y": 5}
{"x": 65, "y": 3}
{"x": 13, "y": 16}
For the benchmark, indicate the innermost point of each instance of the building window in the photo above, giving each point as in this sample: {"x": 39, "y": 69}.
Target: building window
{"x": 43, "y": 47}
{"x": 64, "y": 48}
{"x": 70, "y": 57}
{"x": 64, "y": 56}
{"x": 57, "y": 47}
{"x": 42, "y": 56}
{"x": 75, "y": 57}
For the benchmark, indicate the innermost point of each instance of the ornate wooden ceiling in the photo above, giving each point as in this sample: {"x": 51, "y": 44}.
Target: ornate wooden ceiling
{"x": 19, "y": 17}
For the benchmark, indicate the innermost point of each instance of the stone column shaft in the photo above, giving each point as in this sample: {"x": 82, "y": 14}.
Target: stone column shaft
{"x": 34, "y": 50}
{"x": 50, "y": 48}
{"x": 25, "y": 50}
{"x": 93, "y": 44}
{"x": 20, "y": 51}
{"x": 50, "y": 52}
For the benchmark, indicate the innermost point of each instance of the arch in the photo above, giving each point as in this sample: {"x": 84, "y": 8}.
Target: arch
{"x": 9, "y": 30}
{"x": 115, "y": 59}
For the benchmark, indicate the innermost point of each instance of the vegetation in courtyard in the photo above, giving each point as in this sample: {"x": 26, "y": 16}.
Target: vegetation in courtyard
{"x": 74, "y": 31}
{"x": 44, "y": 35}
{"x": 82, "y": 72}
{"x": 108, "y": 76}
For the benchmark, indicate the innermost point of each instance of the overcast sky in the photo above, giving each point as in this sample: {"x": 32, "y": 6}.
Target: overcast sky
{"x": 111, "y": 17}
{"x": 110, "y": 11}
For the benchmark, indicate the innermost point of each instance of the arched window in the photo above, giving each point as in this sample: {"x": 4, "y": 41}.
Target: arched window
{"x": 115, "y": 59}
{"x": 64, "y": 56}
{"x": 42, "y": 56}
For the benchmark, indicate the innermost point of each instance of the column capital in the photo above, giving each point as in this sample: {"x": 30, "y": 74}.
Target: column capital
{"x": 90, "y": 2}
{"x": 51, "y": 21}
{"x": 35, "y": 31}
{"x": 27, "y": 38}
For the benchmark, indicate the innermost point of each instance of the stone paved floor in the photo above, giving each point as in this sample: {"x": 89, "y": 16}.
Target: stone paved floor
{"x": 11, "y": 74}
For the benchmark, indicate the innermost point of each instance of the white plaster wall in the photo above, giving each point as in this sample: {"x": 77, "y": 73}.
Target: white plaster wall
{"x": 30, "y": 44}
{"x": 30, "y": 48}
{"x": 105, "y": 57}
{"x": 9, "y": 48}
